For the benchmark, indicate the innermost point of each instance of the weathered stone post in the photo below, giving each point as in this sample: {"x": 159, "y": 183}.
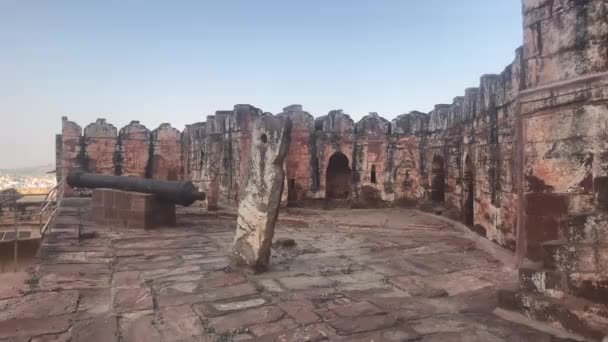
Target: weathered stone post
{"x": 261, "y": 195}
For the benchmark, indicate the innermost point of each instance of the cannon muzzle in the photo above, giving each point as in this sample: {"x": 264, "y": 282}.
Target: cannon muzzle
{"x": 178, "y": 192}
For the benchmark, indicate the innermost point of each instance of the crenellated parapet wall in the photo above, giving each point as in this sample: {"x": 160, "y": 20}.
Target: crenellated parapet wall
{"x": 130, "y": 151}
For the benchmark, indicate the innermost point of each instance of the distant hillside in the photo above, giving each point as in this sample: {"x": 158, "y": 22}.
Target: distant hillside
{"x": 29, "y": 171}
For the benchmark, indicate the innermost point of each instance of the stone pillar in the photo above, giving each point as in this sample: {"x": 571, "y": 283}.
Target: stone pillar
{"x": 261, "y": 195}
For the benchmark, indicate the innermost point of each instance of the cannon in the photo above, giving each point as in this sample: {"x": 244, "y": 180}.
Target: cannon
{"x": 178, "y": 192}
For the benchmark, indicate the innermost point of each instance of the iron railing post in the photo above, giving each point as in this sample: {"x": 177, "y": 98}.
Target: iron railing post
{"x": 16, "y": 239}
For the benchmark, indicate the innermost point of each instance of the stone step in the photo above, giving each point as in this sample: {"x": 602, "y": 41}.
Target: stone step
{"x": 587, "y": 285}
{"x": 542, "y": 281}
{"x": 554, "y": 254}
{"x": 573, "y": 314}
{"x": 585, "y": 228}
{"x": 562, "y": 255}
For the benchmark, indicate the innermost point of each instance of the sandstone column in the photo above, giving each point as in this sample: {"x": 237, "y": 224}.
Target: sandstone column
{"x": 261, "y": 194}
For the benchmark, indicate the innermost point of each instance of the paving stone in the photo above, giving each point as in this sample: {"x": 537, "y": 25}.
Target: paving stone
{"x": 34, "y": 326}
{"x": 391, "y": 269}
{"x": 166, "y": 272}
{"x": 300, "y": 298}
{"x": 39, "y": 305}
{"x": 267, "y": 328}
{"x": 301, "y": 310}
{"x": 239, "y": 305}
{"x": 221, "y": 281}
{"x": 416, "y": 286}
{"x": 354, "y": 325}
{"x": 304, "y": 282}
{"x": 465, "y": 336}
{"x": 133, "y": 299}
{"x": 380, "y": 288}
{"x": 356, "y": 309}
{"x": 74, "y": 276}
{"x": 98, "y": 329}
{"x": 127, "y": 279}
{"x": 270, "y": 285}
{"x": 455, "y": 283}
{"x": 442, "y": 324}
{"x": 311, "y": 333}
{"x": 139, "y": 327}
{"x": 94, "y": 302}
{"x": 179, "y": 294}
{"x": 243, "y": 319}
{"x": 398, "y": 334}
{"x": 63, "y": 337}
{"x": 179, "y": 323}
{"x": 413, "y": 308}
{"x": 13, "y": 284}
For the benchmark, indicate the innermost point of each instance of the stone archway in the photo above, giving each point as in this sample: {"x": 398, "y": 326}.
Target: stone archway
{"x": 469, "y": 192}
{"x": 337, "y": 184}
{"x": 437, "y": 180}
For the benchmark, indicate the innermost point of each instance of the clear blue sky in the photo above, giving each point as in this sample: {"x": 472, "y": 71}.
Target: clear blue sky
{"x": 178, "y": 61}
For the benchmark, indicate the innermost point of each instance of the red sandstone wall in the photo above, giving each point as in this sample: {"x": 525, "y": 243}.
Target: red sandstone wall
{"x": 370, "y": 154}
{"x": 134, "y": 142}
{"x": 167, "y": 157}
{"x": 409, "y": 133}
{"x": 193, "y": 151}
{"x": 335, "y": 136}
{"x": 71, "y": 153}
{"x": 563, "y": 40}
{"x": 298, "y": 161}
{"x": 100, "y": 139}
{"x": 563, "y": 121}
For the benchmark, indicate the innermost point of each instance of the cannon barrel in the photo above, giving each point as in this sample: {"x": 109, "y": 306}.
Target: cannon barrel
{"x": 178, "y": 192}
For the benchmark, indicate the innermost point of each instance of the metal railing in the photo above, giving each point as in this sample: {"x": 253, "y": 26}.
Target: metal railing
{"x": 51, "y": 203}
{"x": 47, "y": 209}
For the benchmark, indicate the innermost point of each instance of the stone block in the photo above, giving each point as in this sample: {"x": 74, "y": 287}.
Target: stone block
{"x": 592, "y": 286}
{"x": 261, "y": 194}
{"x": 98, "y": 214}
{"x": 140, "y": 201}
{"x": 507, "y": 299}
{"x": 97, "y": 198}
{"x": 110, "y": 213}
{"x": 540, "y": 281}
{"x": 108, "y": 197}
{"x": 558, "y": 255}
{"x": 540, "y": 229}
{"x": 557, "y": 312}
{"x": 122, "y": 200}
{"x": 545, "y": 204}
{"x": 600, "y": 188}
{"x": 131, "y": 209}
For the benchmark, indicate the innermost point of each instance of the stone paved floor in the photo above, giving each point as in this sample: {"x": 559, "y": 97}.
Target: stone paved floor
{"x": 365, "y": 275}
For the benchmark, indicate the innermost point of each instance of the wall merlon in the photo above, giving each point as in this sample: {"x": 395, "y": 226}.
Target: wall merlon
{"x": 293, "y": 108}
{"x": 100, "y": 129}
